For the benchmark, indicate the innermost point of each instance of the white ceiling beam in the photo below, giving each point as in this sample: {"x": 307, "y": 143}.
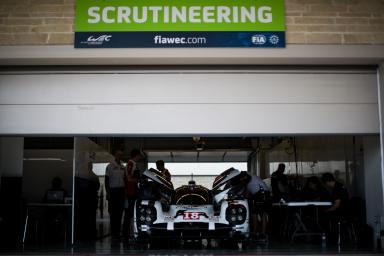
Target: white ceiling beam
{"x": 291, "y": 55}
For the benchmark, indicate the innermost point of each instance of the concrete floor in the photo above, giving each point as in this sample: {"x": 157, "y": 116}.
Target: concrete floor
{"x": 107, "y": 247}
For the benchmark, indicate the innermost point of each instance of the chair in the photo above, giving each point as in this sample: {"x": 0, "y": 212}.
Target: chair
{"x": 49, "y": 223}
{"x": 355, "y": 215}
{"x": 346, "y": 232}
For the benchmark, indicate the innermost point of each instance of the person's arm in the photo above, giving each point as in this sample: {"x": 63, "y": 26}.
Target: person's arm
{"x": 167, "y": 175}
{"x": 339, "y": 195}
{"x": 246, "y": 189}
{"x": 107, "y": 188}
{"x": 246, "y": 193}
{"x": 106, "y": 183}
{"x": 335, "y": 205}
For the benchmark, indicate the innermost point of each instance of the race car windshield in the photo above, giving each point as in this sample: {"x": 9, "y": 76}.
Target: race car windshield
{"x": 192, "y": 194}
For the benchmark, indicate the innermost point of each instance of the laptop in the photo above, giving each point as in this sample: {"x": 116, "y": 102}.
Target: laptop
{"x": 55, "y": 196}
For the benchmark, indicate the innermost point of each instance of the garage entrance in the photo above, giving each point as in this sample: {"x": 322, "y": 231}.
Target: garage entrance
{"x": 313, "y": 120}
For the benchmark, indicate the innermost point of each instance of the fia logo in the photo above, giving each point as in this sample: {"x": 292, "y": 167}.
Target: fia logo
{"x": 259, "y": 39}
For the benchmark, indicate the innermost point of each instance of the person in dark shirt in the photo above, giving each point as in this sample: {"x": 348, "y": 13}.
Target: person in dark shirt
{"x": 161, "y": 167}
{"x": 279, "y": 184}
{"x": 313, "y": 190}
{"x": 115, "y": 189}
{"x": 338, "y": 195}
{"x": 338, "y": 211}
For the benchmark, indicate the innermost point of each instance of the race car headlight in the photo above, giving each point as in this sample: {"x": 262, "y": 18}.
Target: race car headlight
{"x": 236, "y": 214}
{"x": 147, "y": 214}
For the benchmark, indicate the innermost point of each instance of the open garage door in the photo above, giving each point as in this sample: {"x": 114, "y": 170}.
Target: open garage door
{"x": 190, "y": 102}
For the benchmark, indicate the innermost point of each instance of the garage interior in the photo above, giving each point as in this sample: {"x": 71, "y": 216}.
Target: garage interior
{"x": 348, "y": 157}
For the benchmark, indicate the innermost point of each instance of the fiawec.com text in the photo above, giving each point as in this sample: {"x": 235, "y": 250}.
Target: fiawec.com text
{"x": 179, "y": 40}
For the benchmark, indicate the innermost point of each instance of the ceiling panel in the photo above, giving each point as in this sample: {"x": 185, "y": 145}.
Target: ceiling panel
{"x": 202, "y": 156}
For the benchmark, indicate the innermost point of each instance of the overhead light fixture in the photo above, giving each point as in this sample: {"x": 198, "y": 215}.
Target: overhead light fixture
{"x": 44, "y": 159}
{"x": 199, "y": 144}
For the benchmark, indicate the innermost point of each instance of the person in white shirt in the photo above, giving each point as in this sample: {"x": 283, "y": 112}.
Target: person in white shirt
{"x": 257, "y": 193}
{"x": 255, "y": 185}
{"x": 114, "y": 186}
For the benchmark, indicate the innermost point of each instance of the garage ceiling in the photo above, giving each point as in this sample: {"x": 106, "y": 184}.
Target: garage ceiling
{"x": 199, "y": 156}
{"x": 190, "y": 149}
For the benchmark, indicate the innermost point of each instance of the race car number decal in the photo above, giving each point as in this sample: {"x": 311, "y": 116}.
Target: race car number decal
{"x": 191, "y": 215}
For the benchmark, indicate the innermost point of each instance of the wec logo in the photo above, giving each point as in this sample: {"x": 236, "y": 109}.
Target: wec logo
{"x": 103, "y": 38}
{"x": 97, "y": 41}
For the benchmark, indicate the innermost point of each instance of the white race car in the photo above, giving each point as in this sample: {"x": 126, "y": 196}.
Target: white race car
{"x": 192, "y": 211}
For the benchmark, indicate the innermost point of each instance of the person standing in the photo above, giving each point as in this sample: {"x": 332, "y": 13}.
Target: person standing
{"x": 131, "y": 178}
{"x": 257, "y": 193}
{"x": 160, "y": 166}
{"x": 114, "y": 186}
{"x": 86, "y": 203}
{"x": 279, "y": 184}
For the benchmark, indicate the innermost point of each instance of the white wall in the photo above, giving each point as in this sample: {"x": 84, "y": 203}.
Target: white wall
{"x": 11, "y": 156}
{"x": 380, "y": 72}
{"x": 293, "y": 54}
{"x": 86, "y": 153}
{"x": 38, "y": 174}
{"x": 217, "y": 103}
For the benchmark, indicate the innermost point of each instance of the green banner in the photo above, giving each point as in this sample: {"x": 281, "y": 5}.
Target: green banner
{"x": 181, "y": 15}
